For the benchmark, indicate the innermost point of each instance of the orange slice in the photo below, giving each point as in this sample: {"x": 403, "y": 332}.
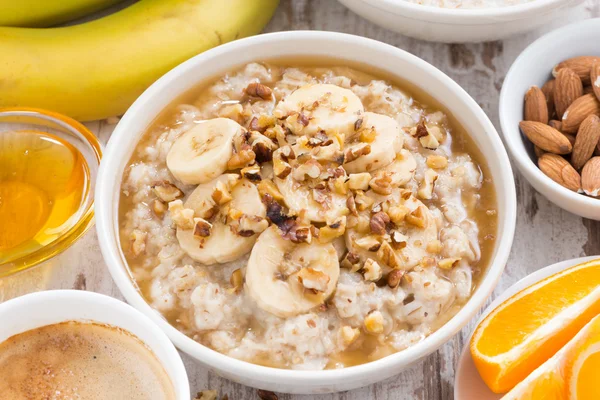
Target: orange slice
{"x": 571, "y": 374}
{"x": 531, "y": 326}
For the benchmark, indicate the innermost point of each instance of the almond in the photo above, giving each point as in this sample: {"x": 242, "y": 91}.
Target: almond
{"x": 560, "y": 171}
{"x": 546, "y": 137}
{"x": 586, "y": 141}
{"x": 536, "y": 108}
{"x": 548, "y": 90}
{"x": 595, "y": 78}
{"x": 590, "y": 177}
{"x": 567, "y": 89}
{"x": 555, "y": 124}
{"x": 580, "y": 65}
{"x": 578, "y": 111}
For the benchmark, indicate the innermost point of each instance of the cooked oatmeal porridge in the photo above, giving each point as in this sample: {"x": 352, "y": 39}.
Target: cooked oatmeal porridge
{"x": 306, "y": 218}
{"x": 461, "y": 4}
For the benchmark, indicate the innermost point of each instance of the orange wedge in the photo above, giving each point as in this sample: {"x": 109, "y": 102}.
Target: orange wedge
{"x": 571, "y": 374}
{"x": 531, "y": 326}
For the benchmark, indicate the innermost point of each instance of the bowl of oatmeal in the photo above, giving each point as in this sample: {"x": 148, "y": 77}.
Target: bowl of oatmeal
{"x": 453, "y": 21}
{"x": 306, "y": 211}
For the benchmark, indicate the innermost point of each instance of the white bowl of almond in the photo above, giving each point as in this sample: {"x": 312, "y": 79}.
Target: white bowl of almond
{"x": 550, "y": 116}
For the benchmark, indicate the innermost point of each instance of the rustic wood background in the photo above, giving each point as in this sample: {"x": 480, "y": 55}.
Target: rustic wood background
{"x": 545, "y": 234}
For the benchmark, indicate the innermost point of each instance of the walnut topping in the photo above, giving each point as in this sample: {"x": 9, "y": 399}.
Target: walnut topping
{"x": 207, "y": 395}
{"x": 351, "y": 261}
{"x": 263, "y": 147}
{"x": 363, "y": 202}
{"x": 241, "y": 159}
{"x": 359, "y": 181}
{"x": 416, "y": 218}
{"x": 370, "y": 243}
{"x": 248, "y": 225}
{"x": 356, "y": 151}
{"x": 159, "y": 208}
{"x": 202, "y": 227}
{"x": 340, "y": 186}
{"x": 372, "y": 270}
{"x": 426, "y": 189}
{"x": 267, "y": 186}
{"x": 255, "y": 89}
{"x": 397, "y": 213}
{"x": 449, "y": 263}
{"x": 421, "y": 130}
{"x": 382, "y": 183}
{"x": 351, "y": 206}
{"x": 281, "y": 169}
{"x": 138, "y": 242}
{"x": 388, "y": 256}
{"x": 394, "y": 278}
{"x": 429, "y": 142}
{"x": 435, "y": 246}
{"x": 286, "y": 153}
{"x": 437, "y": 162}
{"x": 261, "y": 123}
{"x": 183, "y": 217}
{"x": 313, "y": 279}
{"x": 166, "y": 191}
{"x": 349, "y": 334}
{"x": 374, "y": 322}
{"x": 310, "y": 168}
{"x": 220, "y": 194}
{"x": 379, "y": 222}
{"x": 296, "y": 122}
{"x": 358, "y": 124}
{"x": 330, "y": 232}
{"x": 252, "y": 173}
{"x": 266, "y": 395}
{"x": 398, "y": 240}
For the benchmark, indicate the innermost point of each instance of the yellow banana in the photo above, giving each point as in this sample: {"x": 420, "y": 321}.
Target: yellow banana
{"x": 47, "y": 12}
{"x": 97, "y": 69}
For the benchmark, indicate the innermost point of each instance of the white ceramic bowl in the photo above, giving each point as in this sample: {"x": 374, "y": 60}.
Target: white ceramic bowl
{"x": 52, "y": 307}
{"x": 297, "y": 44}
{"x": 460, "y": 25}
{"x": 533, "y": 67}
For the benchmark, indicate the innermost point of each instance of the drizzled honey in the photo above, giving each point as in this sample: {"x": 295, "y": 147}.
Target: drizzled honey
{"x": 43, "y": 183}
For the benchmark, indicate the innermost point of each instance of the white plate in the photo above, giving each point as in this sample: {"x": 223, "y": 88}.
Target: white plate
{"x": 468, "y": 385}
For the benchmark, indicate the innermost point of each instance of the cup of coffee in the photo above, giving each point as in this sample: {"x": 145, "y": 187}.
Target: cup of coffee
{"x": 85, "y": 345}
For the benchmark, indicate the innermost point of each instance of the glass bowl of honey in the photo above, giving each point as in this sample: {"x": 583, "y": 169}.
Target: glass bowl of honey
{"x": 48, "y": 167}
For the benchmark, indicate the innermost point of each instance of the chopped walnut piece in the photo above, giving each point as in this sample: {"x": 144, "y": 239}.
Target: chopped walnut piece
{"x": 359, "y": 181}
{"x": 421, "y": 130}
{"x": 241, "y": 159}
{"x": 379, "y": 222}
{"x": 388, "y": 256}
{"x": 398, "y": 240}
{"x": 138, "y": 242}
{"x": 310, "y": 168}
{"x": 249, "y": 225}
{"x": 349, "y": 334}
{"x": 374, "y": 322}
{"x": 232, "y": 111}
{"x": 416, "y": 218}
{"x": 382, "y": 183}
{"x": 313, "y": 279}
{"x": 436, "y": 132}
{"x": 266, "y": 395}
{"x": 166, "y": 191}
{"x": 261, "y": 123}
{"x": 449, "y": 263}
{"x": 370, "y": 243}
{"x": 252, "y": 173}
{"x": 437, "y": 162}
{"x": 394, "y": 278}
{"x": 340, "y": 186}
{"x": 351, "y": 206}
{"x": 332, "y": 231}
{"x": 435, "y": 246}
{"x": 159, "y": 208}
{"x": 351, "y": 261}
{"x": 358, "y": 124}
{"x": 429, "y": 142}
{"x": 281, "y": 169}
{"x": 202, "y": 227}
{"x": 363, "y": 202}
{"x": 426, "y": 189}
{"x": 183, "y": 217}
{"x": 397, "y": 213}
{"x": 372, "y": 270}
{"x": 367, "y": 135}
{"x": 302, "y": 234}
{"x": 207, "y": 395}
{"x": 267, "y": 186}
{"x": 256, "y": 89}
{"x": 356, "y": 151}
{"x": 220, "y": 194}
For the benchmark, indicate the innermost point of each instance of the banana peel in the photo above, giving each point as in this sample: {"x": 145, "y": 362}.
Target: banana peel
{"x": 97, "y": 69}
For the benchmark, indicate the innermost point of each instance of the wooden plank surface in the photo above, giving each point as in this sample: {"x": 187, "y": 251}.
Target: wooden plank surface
{"x": 545, "y": 234}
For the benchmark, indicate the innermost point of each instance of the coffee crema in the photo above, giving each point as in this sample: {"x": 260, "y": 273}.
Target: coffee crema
{"x": 77, "y": 360}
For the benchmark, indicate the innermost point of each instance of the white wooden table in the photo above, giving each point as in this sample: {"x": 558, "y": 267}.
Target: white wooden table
{"x": 545, "y": 234}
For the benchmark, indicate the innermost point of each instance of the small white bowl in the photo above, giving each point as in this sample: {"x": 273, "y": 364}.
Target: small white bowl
{"x": 315, "y": 45}
{"x": 533, "y": 67}
{"x": 460, "y": 25}
{"x": 52, "y": 307}
{"x": 468, "y": 384}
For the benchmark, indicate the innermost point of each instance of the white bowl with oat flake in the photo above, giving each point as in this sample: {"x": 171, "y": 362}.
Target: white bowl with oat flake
{"x": 234, "y": 300}
{"x": 461, "y": 21}
{"x": 534, "y": 67}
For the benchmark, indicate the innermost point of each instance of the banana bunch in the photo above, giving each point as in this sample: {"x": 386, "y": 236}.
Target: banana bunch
{"x": 97, "y": 69}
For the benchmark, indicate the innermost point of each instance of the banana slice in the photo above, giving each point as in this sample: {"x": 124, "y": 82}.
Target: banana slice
{"x": 320, "y": 206}
{"x": 313, "y": 108}
{"x": 223, "y": 244}
{"x": 414, "y": 234}
{"x": 201, "y": 154}
{"x": 382, "y": 149}
{"x": 288, "y": 279}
